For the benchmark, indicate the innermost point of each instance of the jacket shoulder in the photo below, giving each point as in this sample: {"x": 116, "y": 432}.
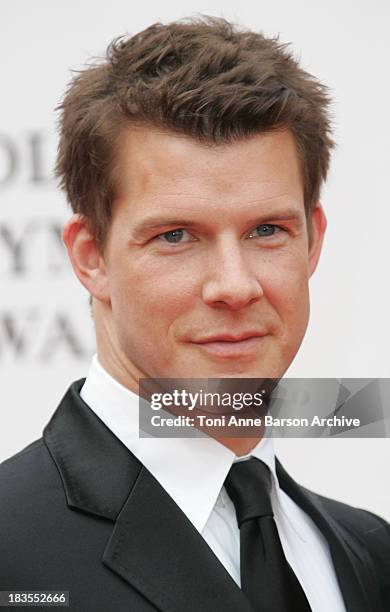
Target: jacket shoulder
{"x": 354, "y": 519}
{"x": 28, "y": 475}
{"x": 373, "y": 533}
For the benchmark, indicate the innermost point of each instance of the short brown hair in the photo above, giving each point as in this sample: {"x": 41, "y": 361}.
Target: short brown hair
{"x": 203, "y": 77}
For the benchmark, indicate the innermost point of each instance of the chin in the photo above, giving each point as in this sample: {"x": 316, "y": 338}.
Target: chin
{"x": 236, "y": 370}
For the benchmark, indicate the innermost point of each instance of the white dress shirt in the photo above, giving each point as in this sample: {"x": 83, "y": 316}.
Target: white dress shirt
{"x": 193, "y": 470}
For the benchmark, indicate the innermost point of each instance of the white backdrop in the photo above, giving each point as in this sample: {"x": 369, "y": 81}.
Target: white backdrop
{"x": 46, "y": 334}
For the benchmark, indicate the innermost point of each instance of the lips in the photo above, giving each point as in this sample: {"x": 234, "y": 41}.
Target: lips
{"x": 231, "y": 337}
{"x": 246, "y": 344}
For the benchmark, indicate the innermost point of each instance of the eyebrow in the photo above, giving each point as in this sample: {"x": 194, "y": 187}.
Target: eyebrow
{"x": 160, "y": 221}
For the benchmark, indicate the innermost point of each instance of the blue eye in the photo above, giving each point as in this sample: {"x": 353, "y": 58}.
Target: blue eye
{"x": 265, "y": 230}
{"x": 173, "y": 236}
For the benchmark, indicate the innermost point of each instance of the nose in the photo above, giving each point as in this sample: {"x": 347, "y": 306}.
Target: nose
{"x": 230, "y": 281}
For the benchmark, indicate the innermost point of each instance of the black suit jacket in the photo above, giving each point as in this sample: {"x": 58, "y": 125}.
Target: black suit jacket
{"x": 80, "y": 513}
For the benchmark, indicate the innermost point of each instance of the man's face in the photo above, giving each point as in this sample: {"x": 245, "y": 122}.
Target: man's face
{"x": 207, "y": 261}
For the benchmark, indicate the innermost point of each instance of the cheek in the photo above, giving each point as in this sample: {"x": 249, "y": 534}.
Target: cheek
{"x": 285, "y": 285}
{"x": 157, "y": 292}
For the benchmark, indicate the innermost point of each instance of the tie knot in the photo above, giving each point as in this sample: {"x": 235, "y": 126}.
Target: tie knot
{"x": 248, "y": 485}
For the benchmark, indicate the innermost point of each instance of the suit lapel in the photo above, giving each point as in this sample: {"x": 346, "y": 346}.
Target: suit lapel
{"x": 353, "y": 564}
{"x": 153, "y": 546}
{"x": 157, "y": 550}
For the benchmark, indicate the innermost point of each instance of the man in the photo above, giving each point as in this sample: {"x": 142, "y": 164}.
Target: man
{"x": 193, "y": 158}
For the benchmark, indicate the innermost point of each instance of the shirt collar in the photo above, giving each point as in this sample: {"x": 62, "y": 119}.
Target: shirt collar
{"x": 191, "y": 470}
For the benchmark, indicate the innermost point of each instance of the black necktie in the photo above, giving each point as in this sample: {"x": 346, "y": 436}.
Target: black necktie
{"x": 266, "y": 577}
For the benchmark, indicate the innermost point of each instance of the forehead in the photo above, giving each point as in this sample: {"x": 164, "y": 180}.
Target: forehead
{"x": 160, "y": 169}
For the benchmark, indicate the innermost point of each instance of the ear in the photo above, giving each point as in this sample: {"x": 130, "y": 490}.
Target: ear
{"x": 316, "y": 236}
{"x": 87, "y": 261}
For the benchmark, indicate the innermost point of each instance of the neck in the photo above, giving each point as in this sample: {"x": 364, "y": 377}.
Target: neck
{"x": 240, "y": 446}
